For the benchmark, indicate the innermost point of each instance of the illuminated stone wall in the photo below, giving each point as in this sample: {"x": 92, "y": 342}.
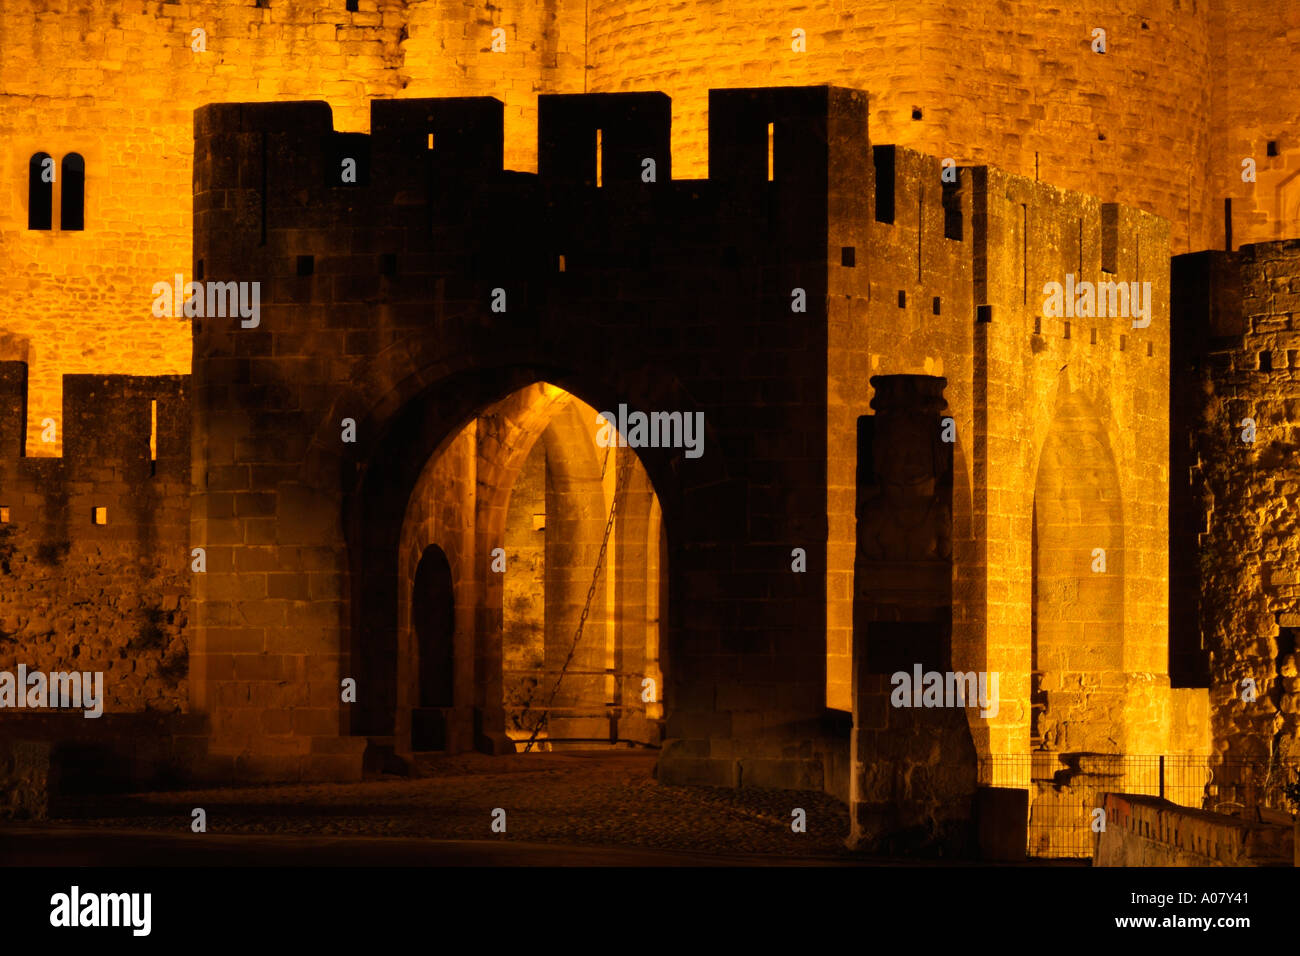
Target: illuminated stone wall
{"x": 906, "y": 306}
{"x": 1238, "y": 312}
{"x": 119, "y": 86}
{"x": 441, "y": 513}
{"x": 523, "y": 626}
{"x": 110, "y": 597}
{"x": 393, "y": 328}
{"x": 1017, "y": 384}
{"x": 1159, "y": 122}
{"x": 389, "y": 322}
{"x": 1183, "y": 93}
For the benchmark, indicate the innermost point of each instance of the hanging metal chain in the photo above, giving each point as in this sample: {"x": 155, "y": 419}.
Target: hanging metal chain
{"x": 620, "y": 485}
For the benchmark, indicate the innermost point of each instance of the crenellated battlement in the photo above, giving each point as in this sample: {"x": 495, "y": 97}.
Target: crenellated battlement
{"x": 121, "y": 434}
{"x": 788, "y": 167}
{"x": 94, "y": 555}
{"x": 290, "y": 148}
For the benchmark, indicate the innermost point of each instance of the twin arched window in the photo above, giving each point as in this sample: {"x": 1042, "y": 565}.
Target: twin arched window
{"x": 41, "y": 177}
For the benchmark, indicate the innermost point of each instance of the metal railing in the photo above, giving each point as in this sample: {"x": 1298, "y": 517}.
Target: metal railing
{"x": 552, "y": 723}
{"x": 1065, "y": 789}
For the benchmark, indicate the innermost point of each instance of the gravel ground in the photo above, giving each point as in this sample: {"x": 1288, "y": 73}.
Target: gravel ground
{"x": 607, "y": 799}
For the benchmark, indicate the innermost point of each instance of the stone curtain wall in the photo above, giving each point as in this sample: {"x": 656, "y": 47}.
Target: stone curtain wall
{"x": 903, "y": 307}
{"x": 961, "y": 295}
{"x": 113, "y": 597}
{"x": 1029, "y": 368}
{"x": 1250, "y": 546}
{"x": 1009, "y": 378}
{"x": 1017, "y": 86}
{"x": 118, "y": 83}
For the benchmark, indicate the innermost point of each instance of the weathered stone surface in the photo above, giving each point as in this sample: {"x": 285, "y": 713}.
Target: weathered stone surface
{"x": 24, "y": 780}
{"x": 684, "y": 299}
{"x": 1001, "y": 814}
{"x": 1243, "y": 493}
{"x": 944, "y": 77}
{"x": 1148, "y": 831}
{"x": 113, "y": 597}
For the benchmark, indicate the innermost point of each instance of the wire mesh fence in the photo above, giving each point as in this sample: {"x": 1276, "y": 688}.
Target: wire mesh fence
{"x": 1065, "y": 789}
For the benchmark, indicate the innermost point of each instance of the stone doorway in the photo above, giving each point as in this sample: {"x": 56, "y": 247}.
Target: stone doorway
{"x": 535, "y": 549}
{"x": 433, "y": 618}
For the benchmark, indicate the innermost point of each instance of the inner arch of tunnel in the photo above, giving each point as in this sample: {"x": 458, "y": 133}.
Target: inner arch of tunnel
{"x": 433, "y": 627}
{"x": 580, "y": 629}
{"x": 462, "y": 502}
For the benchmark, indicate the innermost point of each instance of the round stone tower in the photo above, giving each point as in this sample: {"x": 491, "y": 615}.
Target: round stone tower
{"x": 1029, "y": 90}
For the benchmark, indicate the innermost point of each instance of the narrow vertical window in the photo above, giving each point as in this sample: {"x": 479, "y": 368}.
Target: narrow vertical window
{"x": 262, "y": 195}
{"x": 771, "y": 151}
{"x": 920, "y": 229}
{"x": 153, "y": 437}
{"x": 1110, "y": 238}
{"x": 40, "y": 191}
{"x": 952, "y": 220}
{"x": 1024, "y": 254}
{"x": 72, "y": 207}
{"x": 600, "y": 162}
{"x": 883, "y": 159}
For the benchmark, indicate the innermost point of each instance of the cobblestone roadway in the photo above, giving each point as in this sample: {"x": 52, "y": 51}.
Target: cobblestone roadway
{"x": 606, "y": 799}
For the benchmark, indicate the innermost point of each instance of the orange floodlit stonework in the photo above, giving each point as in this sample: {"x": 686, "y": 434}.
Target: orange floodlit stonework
{"x": 325, "y": 332}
